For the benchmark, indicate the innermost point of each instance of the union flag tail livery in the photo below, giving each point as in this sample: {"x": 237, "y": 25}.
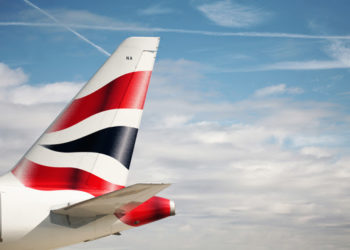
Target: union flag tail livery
{"x": 70, "y": 186}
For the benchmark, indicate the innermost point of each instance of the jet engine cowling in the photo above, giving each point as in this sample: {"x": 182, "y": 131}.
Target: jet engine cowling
{"x": 154, "y": 209}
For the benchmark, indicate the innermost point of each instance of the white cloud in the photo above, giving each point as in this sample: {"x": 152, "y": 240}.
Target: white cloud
{"x": 83, "y": 17}
{"x": 156, "y": 9}
{"x": 231, "y": 14}
{"x": 317, "y": 152}
{"x": 304, "y": 65}
{"x": 59, "y": 92}
{"x": 338, "y": 50}
{"x": 173, "y": 121}
{"x": 77, "y": 17}
{"x": 14, "y": 89}
{"x": 277, "y": 89}
{"x": 11, "y": 77}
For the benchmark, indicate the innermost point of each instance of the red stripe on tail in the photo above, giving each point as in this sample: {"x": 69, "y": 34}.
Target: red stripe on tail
{"x": 127, "y": 91}
{"x": 41, "y": 177}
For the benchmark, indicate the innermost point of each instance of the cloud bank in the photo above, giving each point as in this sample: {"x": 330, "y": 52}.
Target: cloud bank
{"x": 271, "y": 170}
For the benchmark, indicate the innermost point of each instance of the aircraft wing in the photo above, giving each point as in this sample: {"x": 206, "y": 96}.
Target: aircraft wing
{"x": 118, "y": 202}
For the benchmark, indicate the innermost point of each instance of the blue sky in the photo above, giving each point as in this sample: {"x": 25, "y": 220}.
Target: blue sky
{"x": 247, "y": 113}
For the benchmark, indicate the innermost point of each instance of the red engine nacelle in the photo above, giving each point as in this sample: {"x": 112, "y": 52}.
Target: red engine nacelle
{"x": 155, "y": 208}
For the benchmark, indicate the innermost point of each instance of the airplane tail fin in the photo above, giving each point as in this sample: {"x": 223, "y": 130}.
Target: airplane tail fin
{"x": 90, "y": 145}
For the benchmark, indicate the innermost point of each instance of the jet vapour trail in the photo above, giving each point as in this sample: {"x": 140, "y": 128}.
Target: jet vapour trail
{"x": 67, "y": 27}
{"x": 183, "y": 31}
{"x": 213, "y": 33}
{"x": 29, "y": 24}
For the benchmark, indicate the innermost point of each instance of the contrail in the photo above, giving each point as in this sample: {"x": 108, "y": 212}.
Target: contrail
{"x": 183, "y": 31}
{"x": 67, "y": 27}
{"x": 29, "y": 24}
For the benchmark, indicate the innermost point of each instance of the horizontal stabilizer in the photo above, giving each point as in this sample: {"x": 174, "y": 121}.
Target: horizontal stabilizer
{"x": 118, "y": 202}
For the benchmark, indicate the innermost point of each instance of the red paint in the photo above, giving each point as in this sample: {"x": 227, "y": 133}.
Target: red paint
{"x": 155, "y": 208}
{"x": 127, "y": 91}
{"x": 41, "y": 177}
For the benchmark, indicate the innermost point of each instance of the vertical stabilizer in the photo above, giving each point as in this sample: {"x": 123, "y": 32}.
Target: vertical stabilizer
{"x": 90, "y": 145}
